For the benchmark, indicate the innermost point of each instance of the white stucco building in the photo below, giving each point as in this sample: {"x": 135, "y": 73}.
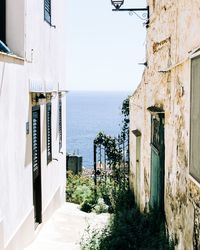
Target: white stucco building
{"x": 32, "y": 117}
{"x": 165, "y": 118}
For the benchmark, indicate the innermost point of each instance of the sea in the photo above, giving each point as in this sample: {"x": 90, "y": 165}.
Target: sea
{"x": 89, "y": 113}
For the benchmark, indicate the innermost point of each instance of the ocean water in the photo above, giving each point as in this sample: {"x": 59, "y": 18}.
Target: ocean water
{"x": 88, "y": 113}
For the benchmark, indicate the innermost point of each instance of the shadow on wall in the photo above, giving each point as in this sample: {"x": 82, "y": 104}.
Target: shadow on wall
{"x": 1, "y": 233}
{"x": 2, "y": 77}
{"x": 28, "y": 150}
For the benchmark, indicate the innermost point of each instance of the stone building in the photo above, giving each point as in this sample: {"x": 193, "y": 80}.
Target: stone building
{"x": 165, "y": 120}
{"x": 32, "y": 117}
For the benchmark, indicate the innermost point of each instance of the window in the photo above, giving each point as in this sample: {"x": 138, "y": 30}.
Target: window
{"x": 48, "y": 125}
{"x": 8, "y": 27}
{"x": 12, "y": 27}
{"x": 155, "y": 134}
{"x": 3, "y": 21}
{"x": 60, "y": 121}
{"x": 47, "y": 11}
{"x": 195, "y": 119}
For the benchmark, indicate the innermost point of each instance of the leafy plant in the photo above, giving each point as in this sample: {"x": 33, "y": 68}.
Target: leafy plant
{"x": 79, "y": 188}
{"x": 82, "y": 193}
{"x": 101, "y": 206}
{"x": 87, "y": 205}
{"x": 129, "y": 229}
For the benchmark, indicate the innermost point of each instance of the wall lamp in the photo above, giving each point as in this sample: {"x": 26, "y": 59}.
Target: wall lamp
{"x": 40, "y": 98}
{"x": 118, "y": 3}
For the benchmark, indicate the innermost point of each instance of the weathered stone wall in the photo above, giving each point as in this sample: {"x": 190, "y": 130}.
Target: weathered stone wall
{"x": 171, "y": 39}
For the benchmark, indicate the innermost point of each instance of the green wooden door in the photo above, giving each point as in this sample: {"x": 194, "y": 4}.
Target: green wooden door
{"x": 138, "y": 152}
{"x": 157, "y": 162}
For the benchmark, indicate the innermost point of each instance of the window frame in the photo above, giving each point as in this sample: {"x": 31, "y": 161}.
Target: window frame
{"x": 195, "y": 176}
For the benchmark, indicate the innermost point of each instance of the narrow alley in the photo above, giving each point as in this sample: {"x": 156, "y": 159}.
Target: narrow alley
{"x": 64, "y": 230}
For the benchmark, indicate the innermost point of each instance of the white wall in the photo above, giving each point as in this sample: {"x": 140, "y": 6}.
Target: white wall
{"x": 46, "y": 42}
{"x": 15, "y": 169}
{"x": 42, "y": 47}
{"x": 45, "y": 51}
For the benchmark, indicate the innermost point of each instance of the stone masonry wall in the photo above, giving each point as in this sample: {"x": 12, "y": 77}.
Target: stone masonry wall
{"x": 171, "y": 39}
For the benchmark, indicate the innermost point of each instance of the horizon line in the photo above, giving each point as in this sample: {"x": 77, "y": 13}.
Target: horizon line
{"x": 99, "y": 90}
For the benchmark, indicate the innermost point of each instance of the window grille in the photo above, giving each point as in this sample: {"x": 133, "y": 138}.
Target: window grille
{"x": 49, "y": 139}
{"x": 47, "y": 11}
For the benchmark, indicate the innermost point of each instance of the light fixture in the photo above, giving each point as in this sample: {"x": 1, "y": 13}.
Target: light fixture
{"x": 136, "y": 132}
{"x": 41, "y": 98}
{"x": 118, "y": 3}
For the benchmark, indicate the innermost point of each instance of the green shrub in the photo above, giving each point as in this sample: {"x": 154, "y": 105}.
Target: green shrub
{"x": 82, "y": 193}
{"x": 129, "y": 229}
{"x": 79, "y": 188}
{"x": 87, "y": 206}
{"x": 100, "y": 207}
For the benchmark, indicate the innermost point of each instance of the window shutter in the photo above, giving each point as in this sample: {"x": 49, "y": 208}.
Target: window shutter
{"x": 195, "y": 119}
{"x": 47, "y": 10}
{"x": 36, "y": 141}
{"x": 49, "y": 141}
{"x": 60, "y": 123}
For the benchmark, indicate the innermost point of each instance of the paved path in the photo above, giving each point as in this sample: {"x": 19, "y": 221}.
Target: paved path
{"x": 63, "y": 231}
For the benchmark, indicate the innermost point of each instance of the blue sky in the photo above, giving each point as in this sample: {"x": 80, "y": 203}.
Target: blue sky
{"x": 103, "y": 47}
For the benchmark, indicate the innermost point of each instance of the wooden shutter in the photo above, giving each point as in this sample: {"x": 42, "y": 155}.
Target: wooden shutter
{"x": 47, "y": 10}
{"x": 49, "y": 140}
{"x": 36, "y": 141}
{"x": 60, "y": 123}
{"x": 195, "y": 119}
